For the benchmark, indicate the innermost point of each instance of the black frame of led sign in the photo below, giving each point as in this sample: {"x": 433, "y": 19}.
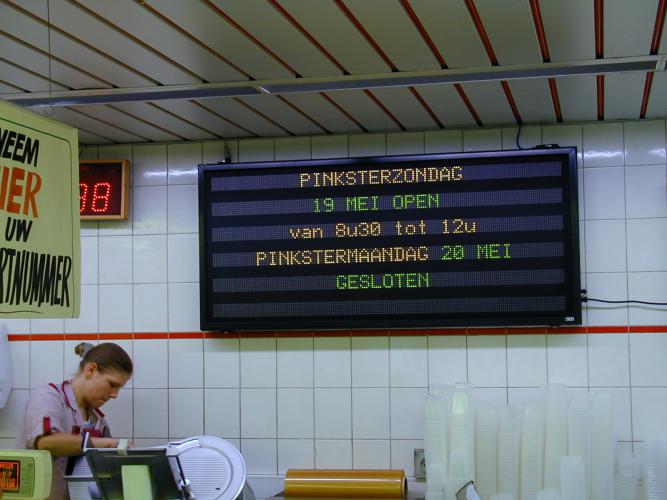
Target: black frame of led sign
{"x": 438, "y": 240}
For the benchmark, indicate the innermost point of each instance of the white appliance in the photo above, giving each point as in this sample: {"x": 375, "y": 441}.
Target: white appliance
{"x": 203, "y": 468}
{"x": 5, "y": 366}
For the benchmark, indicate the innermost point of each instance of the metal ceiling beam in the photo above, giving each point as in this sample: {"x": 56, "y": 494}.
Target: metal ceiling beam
{"x": 348, "y": 82}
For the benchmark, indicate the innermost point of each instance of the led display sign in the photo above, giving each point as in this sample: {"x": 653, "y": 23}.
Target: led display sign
{"x": 411, "y": 241}
{"x": 103, "y": 189}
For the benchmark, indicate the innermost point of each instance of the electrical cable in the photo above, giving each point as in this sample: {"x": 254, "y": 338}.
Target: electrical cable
{"x": 588, "y": 299}
{"x": 518, "y": 136}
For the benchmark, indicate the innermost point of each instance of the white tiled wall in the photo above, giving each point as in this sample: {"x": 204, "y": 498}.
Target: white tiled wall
{"x": 357, "y": 402}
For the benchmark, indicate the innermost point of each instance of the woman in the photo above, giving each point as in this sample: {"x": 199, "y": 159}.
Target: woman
{"x": 59, "y": 416}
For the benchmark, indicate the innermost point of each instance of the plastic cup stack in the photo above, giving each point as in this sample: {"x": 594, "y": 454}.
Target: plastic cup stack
{"x": 435, "y": 482}
{"x": 555, "y": 433}
{"x": 548, "y": 494}
{"x": 435, "y": 438}
{"x": 655, "y": 469}
{"x": 579, "y": 434}
{"x": 602, "y": 447}
{"x": 459, "y": 468}
{"x": 462, "y": 433}
{"x": 573, "y": 478}
{"x": 502, "y": 496}
{"x": 532, "y": 450}
{"x": 486, "y": 452}
{"x": 509, "y": 446}
{"x": 625, "y": 480}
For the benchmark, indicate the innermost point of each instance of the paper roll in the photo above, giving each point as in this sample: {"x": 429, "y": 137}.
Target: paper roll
{"x": 339, "y": 483}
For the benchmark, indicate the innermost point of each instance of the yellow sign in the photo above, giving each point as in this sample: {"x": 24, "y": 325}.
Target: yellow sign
{"x": 39, "y": 216}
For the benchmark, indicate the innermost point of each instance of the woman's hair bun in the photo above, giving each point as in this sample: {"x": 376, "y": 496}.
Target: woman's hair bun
{"x": 83, "y": 348}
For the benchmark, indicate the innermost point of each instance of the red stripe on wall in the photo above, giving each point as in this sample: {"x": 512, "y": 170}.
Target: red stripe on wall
{"x": 47, "y": 336}
{"x": 607, "y": 329}
{"x": 220, "y": 335}
{"x": 151, "y": 335}
{"x": 526, "y": 331}
{"x": 530, "y": 330}
{"x": 186, "y": 335}
{"x": 448, "y": 331}
{"x": 116, "y": 336}
{"x": 18, "y": 337}
{"x": 648, "y": 329}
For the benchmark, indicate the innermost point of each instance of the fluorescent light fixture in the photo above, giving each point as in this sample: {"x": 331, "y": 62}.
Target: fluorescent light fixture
{"x": 347, "y": 82}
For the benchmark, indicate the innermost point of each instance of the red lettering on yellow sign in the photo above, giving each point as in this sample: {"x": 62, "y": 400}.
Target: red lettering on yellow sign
{"x": 18, "y": 190}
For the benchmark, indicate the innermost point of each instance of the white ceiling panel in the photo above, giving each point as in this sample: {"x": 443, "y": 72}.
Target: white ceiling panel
{"x": 109, "y": 114}
{"x": 628, "y": 31}
{"x": 578, "y": 98}
{"x": 6, "y": 88}
{"x": 662, "y": 49}
{"x": 623, "y": 96}
{"x": 137, "y": 20}
{"x": 657, "y": 101}
{"x": 153, "y": 114}
{"x": 289, "y": 118}
{"x": 165, "y": 43}
{"x": 38, "y": 62}
{"x": 273, "y": 30}
{"x": 71, "y": 19}
{"x": 18, "y": 24}
{"x": 402, "y": 43}
{"x": 510, "y": 28}
{"x": 236, "y": 112}
{"x": 105, "y": 67}
{"x": 448, "y": 106}
{"x": 569, "y": 26}
{"x": 35, "y": 33}
{"x": 202, "y": 117}
{"x": 533, "y": 99}
{"x": 325, "y": 113}
{"x": 490, "y": 102}
{"x": 198, "y": 20}
{"x": 364, "y": 110}
{"x": 23, "y": 79}
{"x": 80, "y": 119}
{"x": 88, "y": 138}
{"x": 406, "y": 108}
{"x": 331, "y": 28}
{"x": 452, "y": 32}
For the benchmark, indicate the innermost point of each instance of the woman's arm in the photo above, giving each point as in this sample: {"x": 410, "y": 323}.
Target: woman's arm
{"x": 67, "y": 445}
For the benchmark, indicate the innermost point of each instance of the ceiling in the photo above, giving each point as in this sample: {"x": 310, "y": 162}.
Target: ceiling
{"x": 170, "y": 70}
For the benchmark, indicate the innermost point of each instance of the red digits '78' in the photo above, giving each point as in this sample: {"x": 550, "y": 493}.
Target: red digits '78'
{"x": 98, "y": 201}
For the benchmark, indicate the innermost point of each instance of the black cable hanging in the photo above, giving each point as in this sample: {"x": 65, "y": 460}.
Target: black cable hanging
{"x": 49, "y": 110}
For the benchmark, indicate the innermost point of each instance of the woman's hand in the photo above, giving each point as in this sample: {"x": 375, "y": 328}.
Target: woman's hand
{"x": 103, "y": 442}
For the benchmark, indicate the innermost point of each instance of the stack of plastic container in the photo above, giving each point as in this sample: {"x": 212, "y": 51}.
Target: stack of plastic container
{"x": 558, "y": 449}
{"x": 579, "y": 433}
{"x": 555, "y": 433}
{"x": 602, "y": 447}
{"x": 509, "y": 446}
{"x": 655, "y": 469}
{"x": 486, "y": 451}
{"x": 435, "y": 446}
{"x": 625, "y": 479}
{"x": 548, "y": 494}
{"x": 461, "y": 440}
{"x": 532, "y": 451}
{"x": 502, "y": 496}
{"x": 573, "y": 478}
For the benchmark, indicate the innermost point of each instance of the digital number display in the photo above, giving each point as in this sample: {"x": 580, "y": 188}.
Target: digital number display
{"x": 411, "y": 241}
{"x": 10, "y": 475}
{"x": 103, "y": 189}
